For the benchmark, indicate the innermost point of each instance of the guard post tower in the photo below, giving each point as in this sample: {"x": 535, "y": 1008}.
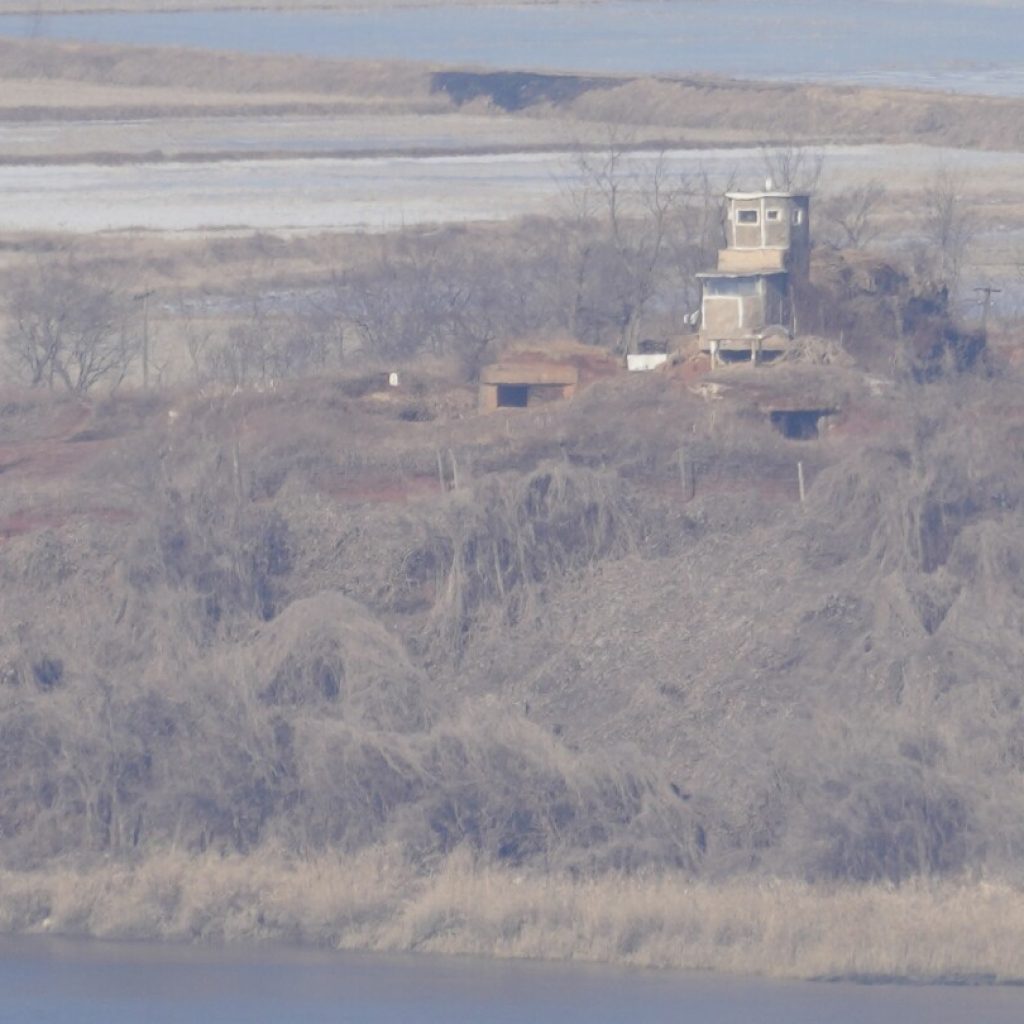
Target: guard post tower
{"x": 747, "y": 303}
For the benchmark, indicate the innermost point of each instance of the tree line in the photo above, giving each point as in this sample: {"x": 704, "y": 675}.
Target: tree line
{"x": 616, "y": 263}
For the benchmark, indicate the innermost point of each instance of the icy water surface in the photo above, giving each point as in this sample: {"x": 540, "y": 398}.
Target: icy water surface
{"x": 53, "y": 982}
{"x": 950, "y": 44}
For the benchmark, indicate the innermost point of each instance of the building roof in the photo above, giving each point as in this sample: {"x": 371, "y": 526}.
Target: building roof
{"x": 524, "y": 371}
{"x": 768, "y": 194}
{"x": 741, "y": 273}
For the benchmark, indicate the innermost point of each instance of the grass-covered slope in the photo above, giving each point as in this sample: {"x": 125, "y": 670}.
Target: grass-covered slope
{"x": 262, "y": 622}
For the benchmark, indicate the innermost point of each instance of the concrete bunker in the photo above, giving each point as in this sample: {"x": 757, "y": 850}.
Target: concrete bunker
{"x": 522, "y": 384}
{"x": 799, "y": 424}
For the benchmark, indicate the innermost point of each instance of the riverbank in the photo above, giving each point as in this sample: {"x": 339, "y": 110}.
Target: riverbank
{"x": 94, "y": 98}
{"x": 965, "y": 932}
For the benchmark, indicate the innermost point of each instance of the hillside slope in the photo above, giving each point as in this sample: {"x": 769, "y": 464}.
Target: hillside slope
{"x": 310, "y": 621}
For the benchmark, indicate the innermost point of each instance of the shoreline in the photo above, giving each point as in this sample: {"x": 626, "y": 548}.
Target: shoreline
{"x": 923, "y": 932}
{"x": 120, "y": 93}
{"x": 159, "y": 158}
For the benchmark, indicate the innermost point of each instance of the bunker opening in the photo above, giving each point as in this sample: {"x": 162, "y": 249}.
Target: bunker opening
{"x": 799, "y": 424}
{"x": 513, "y": 396}
{"x": 741, "y": 355}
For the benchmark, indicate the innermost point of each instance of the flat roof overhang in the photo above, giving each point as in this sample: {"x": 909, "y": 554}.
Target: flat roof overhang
{"x": 744, "y": 343}
{"x": 774, "y": 194}
{"x": 536, "y": 374}
{"x": 717, "y": 275}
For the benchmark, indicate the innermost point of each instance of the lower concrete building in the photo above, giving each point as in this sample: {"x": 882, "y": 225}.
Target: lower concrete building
{"x": 517, "y": 384}
{"x": 745, "y": 312}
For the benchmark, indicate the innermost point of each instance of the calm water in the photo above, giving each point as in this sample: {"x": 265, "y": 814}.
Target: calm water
{"x": 951, "y": 44}
{"x": 52, "y": 982}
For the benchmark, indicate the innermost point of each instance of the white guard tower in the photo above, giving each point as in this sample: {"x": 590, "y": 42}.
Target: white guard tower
{"x": 747, "y": 303}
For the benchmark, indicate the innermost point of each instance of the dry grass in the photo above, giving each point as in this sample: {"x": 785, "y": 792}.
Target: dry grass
{"x": 147, "y": 81}
{"x": 21, "y": 95}
{"x": 377, "y": 901}
{"x": 769, "y": 112}
{"x": 72, "y": 81}
{"x": 197, "y": 133}
{"x": 168, "y": 67}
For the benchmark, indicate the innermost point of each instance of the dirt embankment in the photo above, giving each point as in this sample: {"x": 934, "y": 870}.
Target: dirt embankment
{"x": 598, "y": 644}
{"x": 597, "y": 635}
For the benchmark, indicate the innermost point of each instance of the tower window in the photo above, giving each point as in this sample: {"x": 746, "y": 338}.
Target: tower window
{"x": 798, "y": 216}
{"x": 746, "y": 216}
{"x": 773, "y": 215}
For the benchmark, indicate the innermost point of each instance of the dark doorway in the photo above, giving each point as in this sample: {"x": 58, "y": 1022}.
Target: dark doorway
{"x": 740, "y": 355}
{"x": 513, "y": 396}
{"x": 798, "y": 424}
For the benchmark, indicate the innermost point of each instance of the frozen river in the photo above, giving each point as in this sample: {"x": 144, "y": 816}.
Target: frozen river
{"x": 947, "y": 44}
{"x": 293, "y": 195}
{"x": 53, "y": 982}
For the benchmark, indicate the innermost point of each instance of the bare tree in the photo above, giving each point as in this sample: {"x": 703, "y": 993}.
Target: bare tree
{"x": 950, "y": 225}
{"x": 697, "y": 236}
{"x": 448, "y": 295}
{"x": 630, "y": 212}
{"x": 69, "y": 327}
{"x": 850, "y": 216}
{"x": 398, "y": 304}
{"x": 793, "y": 168}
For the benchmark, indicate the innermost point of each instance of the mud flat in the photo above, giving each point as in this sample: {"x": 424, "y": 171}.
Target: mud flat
{"x": 190, "y": 138}
{"x": 381, "y": 193}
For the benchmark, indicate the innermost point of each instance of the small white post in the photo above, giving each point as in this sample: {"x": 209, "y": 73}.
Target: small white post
{"x": 800, "y": 480}
{"x": 686, "y": 476}
{"x": 455, "y": 470}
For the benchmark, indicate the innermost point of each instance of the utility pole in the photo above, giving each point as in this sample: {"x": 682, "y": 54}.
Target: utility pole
{"x": 144, "y": 298}
{"x": 988, "y": 291}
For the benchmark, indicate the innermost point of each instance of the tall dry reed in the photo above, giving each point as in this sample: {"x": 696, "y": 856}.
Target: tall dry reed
{"x": 377, "y": 901}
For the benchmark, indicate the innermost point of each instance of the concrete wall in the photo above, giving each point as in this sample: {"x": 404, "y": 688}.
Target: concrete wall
{"x": 769, "y": 221}
{"x": 731, "y": 316}
{"x": 640, "y": 361}
{"x": 741, "y": 261}
{"x": 741, "y": 232}
{"x": 759, "y": 301}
